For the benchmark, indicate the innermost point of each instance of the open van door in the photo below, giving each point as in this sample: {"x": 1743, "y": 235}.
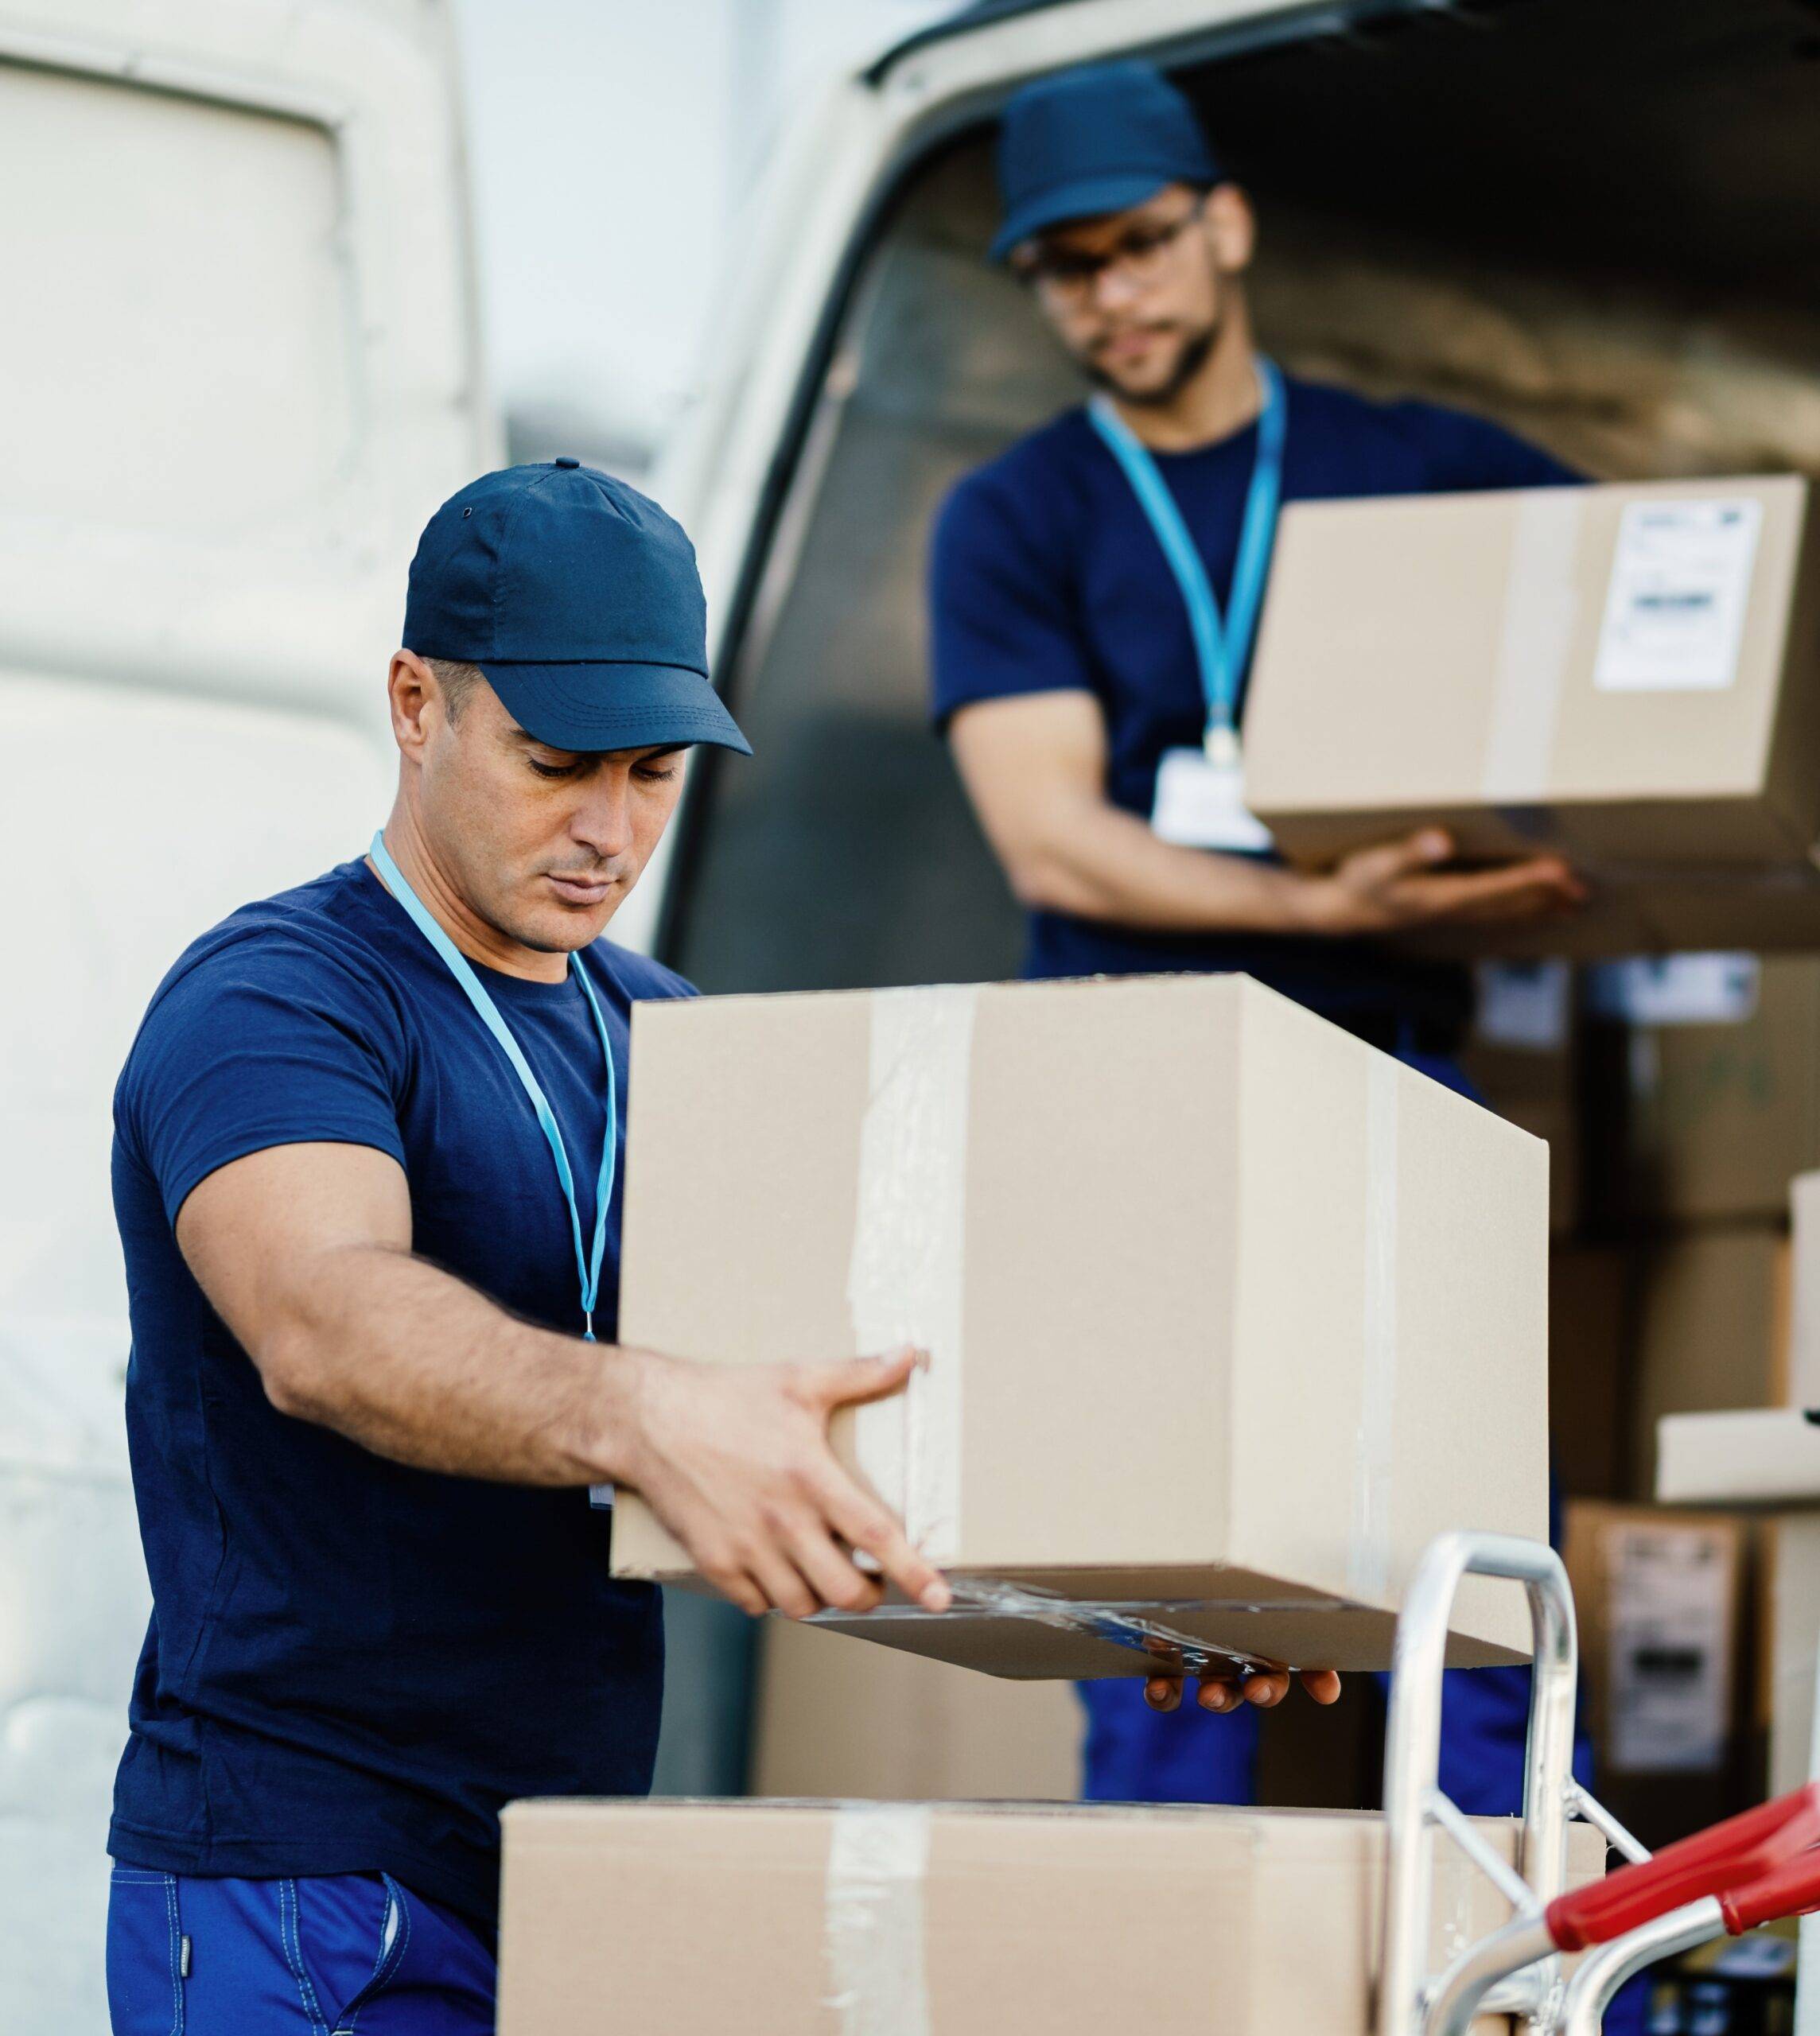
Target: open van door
{"x": 1597, "y": 221}
{"x": 239, "y": 369}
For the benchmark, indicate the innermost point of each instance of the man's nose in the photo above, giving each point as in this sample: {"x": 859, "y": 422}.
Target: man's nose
{"x": 1113, "y": 287}
{"x": 603, "y": 820}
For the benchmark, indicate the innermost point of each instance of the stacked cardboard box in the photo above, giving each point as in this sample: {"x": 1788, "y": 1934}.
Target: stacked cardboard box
{"x": 1711, "y": 1330}
{"x": 1226, "y": 1311}
{"x": 778, "y": 1919}
{"x": 1718, "y": 1118}
{"x": 1661, "y": 1596}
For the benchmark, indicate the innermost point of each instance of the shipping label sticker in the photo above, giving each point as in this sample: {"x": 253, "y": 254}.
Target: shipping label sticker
{"x": 1674, "y": 609}
{"x": 1671, "y": 1612}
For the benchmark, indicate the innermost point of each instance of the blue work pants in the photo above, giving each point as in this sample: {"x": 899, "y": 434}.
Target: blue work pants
{"x": 335, "y": 1955}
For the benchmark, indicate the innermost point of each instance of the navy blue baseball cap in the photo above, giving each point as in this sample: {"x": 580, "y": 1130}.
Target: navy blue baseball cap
{"x": 1096, "y": 140}
{"x": 579, "y": 600}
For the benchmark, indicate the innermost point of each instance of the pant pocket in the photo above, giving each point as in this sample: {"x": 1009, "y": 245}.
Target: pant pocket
{"x": 145, "y": 1954}
{"x": 342, "y": 1928}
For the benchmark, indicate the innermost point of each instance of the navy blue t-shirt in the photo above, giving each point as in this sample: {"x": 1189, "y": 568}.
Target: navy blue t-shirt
{"x": 351, "y": 1665}
{"x": 1045, "y": 576}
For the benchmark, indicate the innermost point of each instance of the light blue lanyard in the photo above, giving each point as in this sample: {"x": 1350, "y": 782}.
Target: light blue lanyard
{"x": 1221, "y": 649}
{"x": 587, "y": 1264}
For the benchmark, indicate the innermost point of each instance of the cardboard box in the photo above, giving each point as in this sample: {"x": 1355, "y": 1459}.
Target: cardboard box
{"x": 834, "y": 1719}
{"x": 1712, "y": 1324}
{"x": 1661, "y": 1599}
{"x": 1767, "y": 1457}
{"x": 1721, "y": 1117}
{"x": 1803, "y": 1380}
{"x": 1627, "y": 674}
{"x": 786, "y": 1919}
{"x": 1228, "y": 1315}
{"x": 1659, "y": 1596}
{"x": 1792, "y": 1651}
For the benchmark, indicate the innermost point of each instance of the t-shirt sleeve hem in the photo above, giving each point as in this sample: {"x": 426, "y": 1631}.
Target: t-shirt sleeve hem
{"x": 213, "y": 1158}
{"x": 942, "y": 713}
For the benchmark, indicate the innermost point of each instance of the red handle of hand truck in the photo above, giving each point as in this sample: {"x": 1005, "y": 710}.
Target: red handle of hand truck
{"x": 1792, "y": 1890}
{"x": 1729, "y": 1855}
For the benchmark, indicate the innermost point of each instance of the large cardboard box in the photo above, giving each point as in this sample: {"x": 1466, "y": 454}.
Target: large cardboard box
{"x": 786, "y": 1919}
{"x": 1227, "y": 1314}
{"x": 1628, "y": 674}
{"x": 834, "y": 1719}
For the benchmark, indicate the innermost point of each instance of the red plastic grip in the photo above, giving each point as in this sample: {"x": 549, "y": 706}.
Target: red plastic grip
{"x": 1792, "y": 1890}
{"x": 1728, "y": 1856}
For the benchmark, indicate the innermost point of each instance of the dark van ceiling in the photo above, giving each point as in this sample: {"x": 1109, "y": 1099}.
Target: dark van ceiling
{"x": 1680, "y": 136}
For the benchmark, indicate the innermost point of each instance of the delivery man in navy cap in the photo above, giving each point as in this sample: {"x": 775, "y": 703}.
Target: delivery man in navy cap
{"x": 366, "y": 1169}
{"x": 1094, "y": 593}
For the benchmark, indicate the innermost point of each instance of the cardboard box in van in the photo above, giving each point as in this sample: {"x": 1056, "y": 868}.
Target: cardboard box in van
{"x": 1628, "y": 675}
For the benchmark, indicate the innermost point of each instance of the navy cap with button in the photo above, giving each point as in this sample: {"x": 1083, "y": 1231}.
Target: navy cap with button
{"x": 1098, "y": 139}
{"x": 579, "y": 600}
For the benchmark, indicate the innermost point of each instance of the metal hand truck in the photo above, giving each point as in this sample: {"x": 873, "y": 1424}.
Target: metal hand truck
{"x": 1751, "y": 1869}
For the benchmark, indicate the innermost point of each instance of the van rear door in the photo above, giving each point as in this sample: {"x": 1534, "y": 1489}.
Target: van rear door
{"x": 240, "y": 369}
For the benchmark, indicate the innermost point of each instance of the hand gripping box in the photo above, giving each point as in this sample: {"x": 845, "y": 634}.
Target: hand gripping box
{"x": 1627, "y": 675}
{"x": 1227, "y": 1314}
{"x": 788, "y": 1919}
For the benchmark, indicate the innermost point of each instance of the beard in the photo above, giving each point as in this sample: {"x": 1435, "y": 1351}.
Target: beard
{"x": 1197, "y": 350}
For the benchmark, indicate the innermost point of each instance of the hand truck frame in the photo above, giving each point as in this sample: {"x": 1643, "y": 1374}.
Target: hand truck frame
{"x": 1749, "y": 1870}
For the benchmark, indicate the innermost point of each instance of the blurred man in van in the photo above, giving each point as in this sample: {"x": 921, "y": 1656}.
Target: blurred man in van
{"x": 1095, "y": 592}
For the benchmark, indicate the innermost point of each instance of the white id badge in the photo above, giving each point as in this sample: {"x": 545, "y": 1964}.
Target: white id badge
{"x": 1200, "y": 804}
{"x": 600, "y": 1498}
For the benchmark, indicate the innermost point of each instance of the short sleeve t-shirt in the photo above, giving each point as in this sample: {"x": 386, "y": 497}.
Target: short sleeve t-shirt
{"x": 351, "y": 1665}
{"x": 1045, "y": 576}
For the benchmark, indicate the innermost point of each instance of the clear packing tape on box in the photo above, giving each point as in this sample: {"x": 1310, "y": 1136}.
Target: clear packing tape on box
{"x": 905, "y": 1288}
{"x": 874, "y": 1936}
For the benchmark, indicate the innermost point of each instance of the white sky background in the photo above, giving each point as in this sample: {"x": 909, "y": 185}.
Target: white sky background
{"x": 611, "y": 143}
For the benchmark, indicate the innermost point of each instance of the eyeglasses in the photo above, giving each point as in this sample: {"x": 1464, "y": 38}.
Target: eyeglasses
{"x": 1070, "y": 275}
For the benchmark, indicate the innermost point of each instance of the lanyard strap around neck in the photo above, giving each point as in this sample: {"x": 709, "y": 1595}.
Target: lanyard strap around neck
{"x": 587, "y": 1264}
{"x": 1221, "y": 648}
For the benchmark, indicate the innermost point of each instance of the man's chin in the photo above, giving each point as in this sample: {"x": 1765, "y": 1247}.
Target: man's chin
{"x": 1147, "y": 385}
{"x": 1157, "y": 381}
{"x": 562, "y": 929}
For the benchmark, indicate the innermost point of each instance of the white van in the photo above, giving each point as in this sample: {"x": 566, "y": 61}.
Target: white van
{"x": 238, "y": 368}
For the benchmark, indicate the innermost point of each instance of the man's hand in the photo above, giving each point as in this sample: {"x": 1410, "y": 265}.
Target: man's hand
{"x": 1399, "y": 888}
{"x": 734, "y": 1460}
{"x": 1227, "y": 1692}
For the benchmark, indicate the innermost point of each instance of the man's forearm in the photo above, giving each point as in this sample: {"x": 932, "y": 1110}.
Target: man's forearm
{"x": 1102, "y": 863}
{"x": 404, "y": 1359}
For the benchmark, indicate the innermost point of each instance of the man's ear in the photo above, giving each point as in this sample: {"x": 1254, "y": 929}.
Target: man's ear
{"x": 411, "y": 690}
{"x": 1231, "y": 228}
